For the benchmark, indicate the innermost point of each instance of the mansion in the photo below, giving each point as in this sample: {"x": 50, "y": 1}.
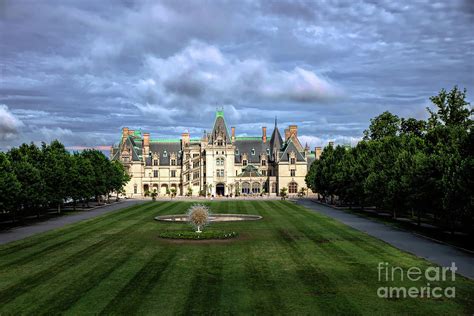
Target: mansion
{"x": 216, "y": 164}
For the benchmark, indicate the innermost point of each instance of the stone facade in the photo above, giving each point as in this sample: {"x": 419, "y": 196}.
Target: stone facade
{"x": 218, "y": 163}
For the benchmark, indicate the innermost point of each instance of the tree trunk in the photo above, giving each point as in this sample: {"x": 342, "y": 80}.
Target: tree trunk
{"x": 59, "y": 208}
{"x": 74, "y": 205}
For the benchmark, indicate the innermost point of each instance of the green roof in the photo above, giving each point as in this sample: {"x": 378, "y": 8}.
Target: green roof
{"x": 166, "y": 140}
{"x": 249, "y": 138}
{"x": 220, "y": 113}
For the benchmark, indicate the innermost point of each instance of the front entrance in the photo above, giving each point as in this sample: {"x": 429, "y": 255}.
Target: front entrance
{"x": 220, "y": 189}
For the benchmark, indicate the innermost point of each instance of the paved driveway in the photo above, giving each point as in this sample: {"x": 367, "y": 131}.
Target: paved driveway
{"x": 26, "y": 231}
{"x": 437, "y": 253}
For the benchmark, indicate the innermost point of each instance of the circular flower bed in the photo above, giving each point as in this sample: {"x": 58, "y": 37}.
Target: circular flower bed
{"x": 207, "y": 234}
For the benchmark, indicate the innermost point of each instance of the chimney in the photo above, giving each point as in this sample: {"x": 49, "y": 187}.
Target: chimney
{"x": 124, "y": 134}
{"x": 146, "y": 143}
{"x": 331, "y": 144}
{"x": 287, "y": 133}
{"x": 233, "y": 133}
{"x": 185, "y": 138}
{"x": 317, "y": 152}
{"x": 264, "y": 134}
{"x": 294, "y": 130}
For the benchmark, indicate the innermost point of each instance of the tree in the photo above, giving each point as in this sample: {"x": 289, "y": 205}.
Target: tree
{"x": 55, "y": 172}
{"x": 190, "y": 192}
{"x": 86, "y": 179}
{"x": 154, "y": 194}
{"x": 384, "y": 125}
{"x": 452, "y": 109}
{"x": 283, "y": 193}
{"x": 100, "y": 165}
{"x": 119, "y": 177}
{"x": 10, "y": 187}
{"x": 26, "y": 162}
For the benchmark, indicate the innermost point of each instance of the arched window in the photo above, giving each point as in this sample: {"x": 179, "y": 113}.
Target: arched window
{"x": 293, "y": 187}
{"x": 255, "y": 187}
{"x": 245, "y": 188}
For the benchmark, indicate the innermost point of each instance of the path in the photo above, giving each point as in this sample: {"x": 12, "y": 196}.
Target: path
{"x": 18, "y": 233}
{"x": 430, "y": 250}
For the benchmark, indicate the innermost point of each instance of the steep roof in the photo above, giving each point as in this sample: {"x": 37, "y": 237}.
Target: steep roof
{"x": 220, "y": 128}
{"x": 275, "y": 142}
{"x": 246, "y": 144}
{"x": 288, "y": 148}
{"x": 164, "y": 149}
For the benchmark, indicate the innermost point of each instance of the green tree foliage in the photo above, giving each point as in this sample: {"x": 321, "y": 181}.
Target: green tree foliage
{"x": 384, "y": 125}
{"x": 10, "y": 187}
{"x": 34, "y": 179}
{"x": 410, "y": 167}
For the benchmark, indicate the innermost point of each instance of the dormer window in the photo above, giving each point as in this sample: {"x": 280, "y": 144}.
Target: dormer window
{"x": 219, "y": 142}
{"x": 165, "y": 154}
{"x": 244, "y": 162}
{"x": 268, "y": 151}
{"x": 253, "y": 152}
{"x": 155, "y": 162}
{"x": 237, "y": 151}
{"x": 292, "y": 161}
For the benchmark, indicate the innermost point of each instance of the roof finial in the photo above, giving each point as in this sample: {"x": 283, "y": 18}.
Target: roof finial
{"x": 275, "y": 121}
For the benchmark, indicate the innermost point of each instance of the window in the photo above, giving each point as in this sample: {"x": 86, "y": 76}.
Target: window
{"x": 244, "y": 162}
{"x": 268, "y": 151}
{"x": 252, "y": 152}
{"x": 165, "y": 154}
{"x": 264, "y": 162}
{"x": 195, "y": 155}
{"x": 292, "y": 161}
{"x": 219, "y": 143}
{"x": 293, "y": 187}
{"x": 220, "y": 172}
{"x": 236, "y": 151}
{"x": 292, "y": 172}
{"x": 173, "y": 162}
{"x": 264, "y": 173}
{"x": 255, "y": 187}
{"x": 125, "y": 159}
{"x": 155, "y": 162}
{"x": 219, "y": 161}
{"x": 196, "y": 164}
{"x": 135, "y": 189}
{"x": 274, "y": 187}
{"x": 196, "y": 175}
{"x": 155, "y": 173}
{"x": 173, "y": 173}
{"x": 187, "y": 177}
{"x": 270, "y": 173}
{"x": 245, "y": 188}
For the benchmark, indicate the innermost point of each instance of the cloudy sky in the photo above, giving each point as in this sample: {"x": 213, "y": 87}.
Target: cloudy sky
{"x": 79, "y": 71}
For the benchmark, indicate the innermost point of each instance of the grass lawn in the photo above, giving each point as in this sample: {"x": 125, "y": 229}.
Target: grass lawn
{"x": 292, "y": 261}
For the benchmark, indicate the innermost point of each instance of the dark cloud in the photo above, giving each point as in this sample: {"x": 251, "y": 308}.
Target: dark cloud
{"x": 80, "y": 70}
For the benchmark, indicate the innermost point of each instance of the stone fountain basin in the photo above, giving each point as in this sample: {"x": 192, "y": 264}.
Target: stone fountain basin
{"x": 212, "y": 218}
